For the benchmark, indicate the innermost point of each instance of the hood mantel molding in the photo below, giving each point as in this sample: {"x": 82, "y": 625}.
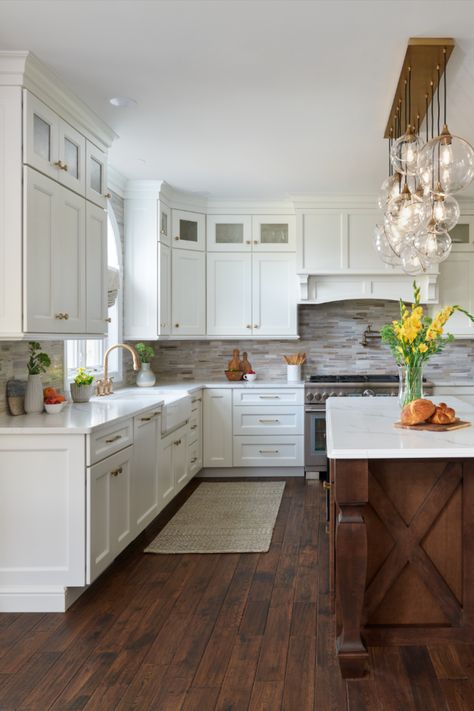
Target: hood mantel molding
{"x": 324, "y": 288}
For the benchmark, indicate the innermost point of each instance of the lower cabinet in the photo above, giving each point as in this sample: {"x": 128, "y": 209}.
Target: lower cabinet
{"x": 109, "y": 520}
{"x": 172, "y": 465}
{"x": 146, "y": 437}
{"x": 217, "y": 425}
{"x": 195, "y": 437}
{"x": 268, "y": 451}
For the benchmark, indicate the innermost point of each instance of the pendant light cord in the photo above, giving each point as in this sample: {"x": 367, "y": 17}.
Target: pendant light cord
{"x": 437, "y": 97}
{"x": 409, "y": 96}
{"x": 427, "y": 126}
{"x": 445, "y": 85}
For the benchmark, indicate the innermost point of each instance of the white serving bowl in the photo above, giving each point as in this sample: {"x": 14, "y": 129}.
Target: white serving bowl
{"x": 54, "y": 409}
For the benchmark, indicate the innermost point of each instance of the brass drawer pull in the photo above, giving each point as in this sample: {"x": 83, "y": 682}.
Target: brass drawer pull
{"x": 150, "y": 417}
{"x": 196, "y": 399}
{"x": 269, "y": 397}
{"x": 326, "y": 485}
{"x": 113, "y": 439}
{"x": 193, "y": 427}
{"x": 61, "y": 165}
{"x": 268, "y": 421}
{"x": 108, "y": 196}
{"x": 268, "y": 451}
{"x": 194, "y": 459}
{"x": 116, "y": 472}
{"x": 178, "y": 441}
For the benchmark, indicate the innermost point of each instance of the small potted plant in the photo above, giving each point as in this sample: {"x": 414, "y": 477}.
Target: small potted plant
{"x": 38, "y": 363}
{"x": 146, "y": 377}
{"x": 82, "y": 386}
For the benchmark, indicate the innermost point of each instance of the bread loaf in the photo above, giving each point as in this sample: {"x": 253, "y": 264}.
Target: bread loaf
{"x": 417, "y": 411}
{"x": 443, "y": 415}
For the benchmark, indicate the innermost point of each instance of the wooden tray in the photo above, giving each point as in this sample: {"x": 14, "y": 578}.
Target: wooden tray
{"x": 428, "y": 427}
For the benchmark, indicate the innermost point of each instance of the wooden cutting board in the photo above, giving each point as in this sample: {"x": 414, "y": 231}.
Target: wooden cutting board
{"x": 428, "y": 427}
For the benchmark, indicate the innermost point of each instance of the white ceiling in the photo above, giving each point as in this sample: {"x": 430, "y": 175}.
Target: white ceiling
{"x": 245, "y": 98}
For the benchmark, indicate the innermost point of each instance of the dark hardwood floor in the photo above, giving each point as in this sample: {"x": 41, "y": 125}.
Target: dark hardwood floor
{"x": 218, "y": 633}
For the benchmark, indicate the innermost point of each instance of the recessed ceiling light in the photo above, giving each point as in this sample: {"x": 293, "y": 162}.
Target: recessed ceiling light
{"x": 122, "y": 102}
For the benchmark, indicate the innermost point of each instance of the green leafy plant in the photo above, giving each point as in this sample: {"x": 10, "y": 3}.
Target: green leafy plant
{"x": 38, "y": 362}
{"x": 83, "y": 377}
{"x": 145, "y": 352}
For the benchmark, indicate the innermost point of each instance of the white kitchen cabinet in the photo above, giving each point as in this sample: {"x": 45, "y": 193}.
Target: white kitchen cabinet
{"x": 217, "y": 426}
{"x": 229, "y": 294}
{"x": 268, "y": 420}
{"x": 273, "y": 233}
{"x": 229, "y": 233}
{"x": 172, "y": 465}
{"x": 96, "y": 270}
{"x": 189, "y": 230}
{"x": 53, "y": 146}
{"x": 164, "y": 231}
{"x": 282, "y": 451}
{"x": 96, "y": 175}
{"x": 42, "y": 514}
{"x": 188, "y": 293}
{"x": 195, "y": 436}
{"x": 273, "y": 295}
{"x": 109, "y": 511}
{"x": 146, "y": 436}
{"x": 54, "y": 246}
{"x": 456, "y": 287}
{"x": 462, "y": 234}
{"x": 164, "y": 290}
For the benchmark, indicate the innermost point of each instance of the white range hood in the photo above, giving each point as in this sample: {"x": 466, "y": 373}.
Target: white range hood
{"x": 322, "y": 288}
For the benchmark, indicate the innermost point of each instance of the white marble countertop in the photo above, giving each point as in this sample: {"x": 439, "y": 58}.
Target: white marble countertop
{"x": 84, "y": 418}
{"x": 363, "y": 428}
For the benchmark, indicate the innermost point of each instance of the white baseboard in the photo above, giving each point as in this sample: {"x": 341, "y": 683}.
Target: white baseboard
{"x": 38, "y": 599}
{"x": 251, "y": 472}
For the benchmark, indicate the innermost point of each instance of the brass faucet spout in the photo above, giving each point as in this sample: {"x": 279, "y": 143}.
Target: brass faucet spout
{"x": 104, "y": 386}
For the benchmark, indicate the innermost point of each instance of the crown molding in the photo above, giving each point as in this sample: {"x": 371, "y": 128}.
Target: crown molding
{"x": 22, "y": 68}
{"x": 116, "y": 181}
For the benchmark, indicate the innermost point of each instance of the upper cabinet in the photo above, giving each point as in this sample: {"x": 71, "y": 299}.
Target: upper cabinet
{"x": 273, "y": 233}
{"x": 456, "y": 286}
{"x": 164, "y": 225}
{"x": 53, "y": 227}
{"x": 246, "y": 233}
{"x": 189, "y": 230}
{"x": 53, "y": 146}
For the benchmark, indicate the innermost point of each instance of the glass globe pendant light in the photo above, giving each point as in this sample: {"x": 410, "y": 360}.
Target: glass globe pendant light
{"x": 413, "y": 262}
{"x": 443, "y": 212}
{"x": 404, "y": 151}
{"x": 406, "y": 211}
{"x": 383, "y": 246}
{"x": 432, "y": 246}
{"x": 389, "y": 190}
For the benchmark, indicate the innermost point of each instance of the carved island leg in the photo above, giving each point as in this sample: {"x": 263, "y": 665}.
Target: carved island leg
{"x": 351, "y": 485}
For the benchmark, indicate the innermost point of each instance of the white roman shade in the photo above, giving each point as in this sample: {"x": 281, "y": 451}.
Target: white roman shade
{"x": 113, "y": 286}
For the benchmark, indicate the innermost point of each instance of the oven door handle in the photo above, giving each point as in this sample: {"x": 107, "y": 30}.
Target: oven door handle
{"x": 315, "y": 408}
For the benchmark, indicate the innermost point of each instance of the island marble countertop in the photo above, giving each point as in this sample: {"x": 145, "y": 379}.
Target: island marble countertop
{"x": 363, "y": 428}
{"x": 84, "y": 418}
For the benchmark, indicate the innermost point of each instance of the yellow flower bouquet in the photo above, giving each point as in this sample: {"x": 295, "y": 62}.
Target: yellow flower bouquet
{"x": 414, "y": 339}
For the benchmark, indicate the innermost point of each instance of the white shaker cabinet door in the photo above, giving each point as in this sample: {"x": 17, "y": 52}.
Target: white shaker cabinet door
{"x": 274, "y": 295}
{"x": 72, "y": 158}
{"x": 217, "y": 427}
{"x": 166, "y": 482}
{"x": 189, "y": 230}
{"x": 41, "y": 136}
{"x": 96, "y": 270}
{"x": 456, "y": 286}
{"x": 229, "y": 294}
{"x": 188, "y": 293}
{"x": 96, "y": 175}
{"x": 54, "y": 257}
{"x": 147, "y": 433}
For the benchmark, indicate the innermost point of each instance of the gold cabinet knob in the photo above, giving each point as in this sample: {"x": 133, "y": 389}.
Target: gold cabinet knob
{"x": 108, "y": 196}
{"x": 59, "y": 316}
{"x": 256, "y": 325}
{"x": 326, "y": 485}
{"x": 108, "y": 319}
{"x": 116, "y": 472}
{"x": 255, "y": 241}
{"x": 248, "y": 241}
{"x": 59, "y": 164}
{"x": 176, "y": 325}
{"x": 176, "y": 238}
{"x": 248, "y": 326}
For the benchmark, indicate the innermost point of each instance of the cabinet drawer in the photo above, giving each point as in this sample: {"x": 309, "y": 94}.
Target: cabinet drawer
{"x": 109, "y": 440}
{"x": 194, "y": 427}
{"x": 283, "y": 396}
{"x": 267, "y": 420}
{"x": 196, "y": 401}
{"x": 268, "y": 451}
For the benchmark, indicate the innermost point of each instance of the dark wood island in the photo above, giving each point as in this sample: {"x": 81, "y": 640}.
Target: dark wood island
{"x": 401, "y": 530}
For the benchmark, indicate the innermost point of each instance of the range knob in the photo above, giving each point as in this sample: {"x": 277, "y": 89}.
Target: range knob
{"x": 309, "y": 396}
{"x": 340, "y": 394}
{"x": 368, "y": 393}
{"x": 332, "y": 394}
{"x": 324, "y": 396}
{"x": 317, "y": 397}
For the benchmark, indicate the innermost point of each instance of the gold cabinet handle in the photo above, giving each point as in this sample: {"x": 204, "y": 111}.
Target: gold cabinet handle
{"x": 268, "y": 421}
{"x": 255, "y": 241}
{"x": 108, "y": 319}
{"x": 196, "y": 399}
{"x": 326, "y": 485}
{"x": 256, "y": 325}
{"x": 176, "y": 238}
{"x": 59, "y": 164}
{"x": 269, "y": 397}
{"x": 248, "y": 241}
{"x": 193, "y": 427}
{"x": 248, "y": 326}
{"x": 108, "y": 196}
{"x": 194, "y": 459}
{"x": 178, "y": 441}
{"x": 116, "y": 472}
{"x": 150, "y": 417}
{"x": 59, "y": 316}
{"x": 66, "y": 316}
{"x": 268, "y": 451}
{"x": 113, "y": 439}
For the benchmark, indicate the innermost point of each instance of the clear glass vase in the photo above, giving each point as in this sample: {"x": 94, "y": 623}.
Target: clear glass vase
{"x": 411, "y": 383}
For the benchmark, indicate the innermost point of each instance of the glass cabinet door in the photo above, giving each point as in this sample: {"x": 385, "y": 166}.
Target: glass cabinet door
{"x": 462, "y": 234}
{"x": 72, "y": 150}
{"x": 41, "y": 136}
{"x": 164, "y": 226}
{"x": 274, "y": 233}
{"x": 188, "y": 230}
{"x": 96, "y": 175}
{"x": 229, "y": 233}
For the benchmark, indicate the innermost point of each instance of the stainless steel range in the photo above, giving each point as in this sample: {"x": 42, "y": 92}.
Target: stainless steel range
{"x": 317, "y": 390}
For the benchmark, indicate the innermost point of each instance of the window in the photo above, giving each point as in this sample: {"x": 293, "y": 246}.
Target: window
{"x": 90, "y": 353}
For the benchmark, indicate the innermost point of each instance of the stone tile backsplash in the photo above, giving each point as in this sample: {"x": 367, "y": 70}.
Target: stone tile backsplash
{"x": 331, "y": 336}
